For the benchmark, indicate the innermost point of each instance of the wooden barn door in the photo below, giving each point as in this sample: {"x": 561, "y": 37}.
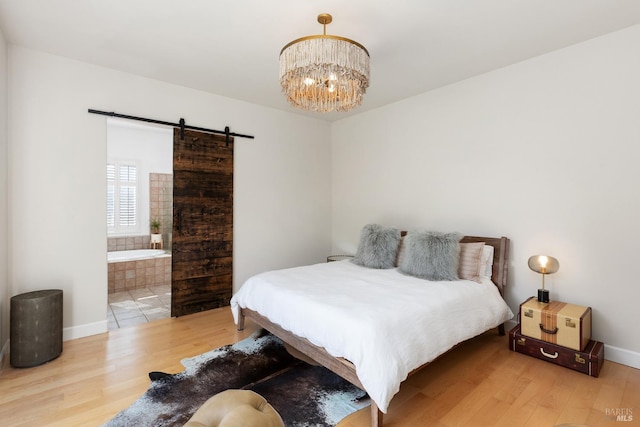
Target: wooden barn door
{"x": 202, "y": 263}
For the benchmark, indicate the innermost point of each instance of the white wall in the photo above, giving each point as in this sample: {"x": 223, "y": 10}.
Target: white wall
{"x": 4, "y": 284}
{"x": 544, "y": 152}
{"x": 57, "y": 153}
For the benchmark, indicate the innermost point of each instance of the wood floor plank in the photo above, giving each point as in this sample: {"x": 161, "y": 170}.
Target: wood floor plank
{"x": 584, "y": 394}
{"x": 479, "y": 383}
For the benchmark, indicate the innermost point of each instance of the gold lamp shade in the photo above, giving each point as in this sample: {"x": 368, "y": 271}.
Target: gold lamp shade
{"x": 323, "y": 72}
{"x": 544, "y": 265}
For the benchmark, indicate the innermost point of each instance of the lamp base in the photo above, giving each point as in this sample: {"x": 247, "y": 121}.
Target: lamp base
{"x": 543, "y": 295}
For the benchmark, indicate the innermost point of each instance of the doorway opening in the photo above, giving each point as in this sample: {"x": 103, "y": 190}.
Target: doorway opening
{"x": 139, "y": 222}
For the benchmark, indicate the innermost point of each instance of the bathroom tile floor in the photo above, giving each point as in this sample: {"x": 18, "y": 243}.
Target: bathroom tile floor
{"x": 129, "y": 308}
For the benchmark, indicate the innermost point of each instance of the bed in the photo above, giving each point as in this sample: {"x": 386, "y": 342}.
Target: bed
{"x": 375, "y": 326}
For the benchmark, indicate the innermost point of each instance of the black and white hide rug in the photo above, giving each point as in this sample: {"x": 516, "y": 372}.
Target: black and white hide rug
{"x": 304, "y": 395}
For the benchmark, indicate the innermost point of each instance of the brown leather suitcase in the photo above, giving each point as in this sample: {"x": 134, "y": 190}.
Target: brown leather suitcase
{"x": 588, "y": 361}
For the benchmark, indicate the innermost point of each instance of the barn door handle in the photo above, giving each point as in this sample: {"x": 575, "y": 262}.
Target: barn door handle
{"x": 179, "y": 225}
{"x": 549, "y": 355}
{"x": 548, "y": 331}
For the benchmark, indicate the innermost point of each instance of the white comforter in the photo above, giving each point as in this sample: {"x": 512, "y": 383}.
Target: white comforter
{"x": 385, "y": 323}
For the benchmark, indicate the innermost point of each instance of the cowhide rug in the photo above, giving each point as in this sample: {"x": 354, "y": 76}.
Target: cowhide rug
{"x": 303, "y": 395}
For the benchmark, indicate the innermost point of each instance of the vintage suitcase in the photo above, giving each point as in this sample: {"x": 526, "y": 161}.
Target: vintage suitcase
{"x": 556, "y": 322}
{"x": 589, "y": 361}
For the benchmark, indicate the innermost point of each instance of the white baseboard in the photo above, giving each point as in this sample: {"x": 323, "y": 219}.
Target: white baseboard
{"x": 69, "y": 333}
{"x": 85, "y": 330}
{"x": 614, "y": 354}
{"x": 622, "y": 356}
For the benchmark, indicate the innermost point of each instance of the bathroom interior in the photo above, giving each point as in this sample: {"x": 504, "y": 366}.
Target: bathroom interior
{"x": 139, "y": 256}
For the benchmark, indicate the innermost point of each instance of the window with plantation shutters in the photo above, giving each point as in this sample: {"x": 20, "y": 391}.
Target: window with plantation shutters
{"x": 122, "y": 197}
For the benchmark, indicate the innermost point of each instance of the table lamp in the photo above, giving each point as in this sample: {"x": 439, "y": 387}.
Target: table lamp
{"x": 544, "y": 265}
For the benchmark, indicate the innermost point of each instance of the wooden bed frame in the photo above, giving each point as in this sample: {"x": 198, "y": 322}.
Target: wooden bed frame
{"x": 343, "y": 367}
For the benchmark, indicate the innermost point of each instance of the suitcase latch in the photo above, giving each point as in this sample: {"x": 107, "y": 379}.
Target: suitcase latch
{"x": 528, "y": 313}
{"x": 580, "y": 359}
{"x": 521, "y": 341}
{"x": 569, "y": 324}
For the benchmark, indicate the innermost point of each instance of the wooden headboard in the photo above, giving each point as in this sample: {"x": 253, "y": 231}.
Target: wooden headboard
{"x": 500, "y": 257}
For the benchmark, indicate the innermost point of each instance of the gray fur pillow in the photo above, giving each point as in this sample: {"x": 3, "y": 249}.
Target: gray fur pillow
{"x": 431, "y": 255}
{"x": 378, "y": 246}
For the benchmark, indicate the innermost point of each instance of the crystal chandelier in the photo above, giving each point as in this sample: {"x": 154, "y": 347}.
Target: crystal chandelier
{"x": 324, "y": 73}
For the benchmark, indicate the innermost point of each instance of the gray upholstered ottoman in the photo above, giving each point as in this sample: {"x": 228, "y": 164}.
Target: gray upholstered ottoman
{"x": 35, "y": 327}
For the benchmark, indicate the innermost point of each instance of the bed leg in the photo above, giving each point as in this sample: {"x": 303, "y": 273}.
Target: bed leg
{"x": 376, "y": 415}
{"x": 240, "y": 319}
{"x": 501, "y": 329}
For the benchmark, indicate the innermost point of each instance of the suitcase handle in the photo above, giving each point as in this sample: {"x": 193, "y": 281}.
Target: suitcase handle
{"x": 549, "y": 355}
{"x": 548, "y": 331}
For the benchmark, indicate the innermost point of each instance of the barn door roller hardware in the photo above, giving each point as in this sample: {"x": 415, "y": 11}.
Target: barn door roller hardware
{"x": 180, "y": 125}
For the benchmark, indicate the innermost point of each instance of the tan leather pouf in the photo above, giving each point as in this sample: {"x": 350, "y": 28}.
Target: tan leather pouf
{"x": 236, "y": 408}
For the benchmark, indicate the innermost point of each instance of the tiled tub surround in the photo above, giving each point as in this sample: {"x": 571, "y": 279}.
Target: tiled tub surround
{"x": 128, "y": 243}
{"x": 139, "y": 274}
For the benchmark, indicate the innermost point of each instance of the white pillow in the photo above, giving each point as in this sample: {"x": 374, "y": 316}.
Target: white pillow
{"x": 486, "y": 262}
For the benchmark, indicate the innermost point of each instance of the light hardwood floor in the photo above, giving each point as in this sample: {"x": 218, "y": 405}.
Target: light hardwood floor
{"x": 479, "y": 383}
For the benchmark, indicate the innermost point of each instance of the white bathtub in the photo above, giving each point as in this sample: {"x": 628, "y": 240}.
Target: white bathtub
{"x": 132, "y": 255}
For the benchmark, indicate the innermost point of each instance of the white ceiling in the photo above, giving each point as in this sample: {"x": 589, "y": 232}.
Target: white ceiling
{"x": 231, "y": 47}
